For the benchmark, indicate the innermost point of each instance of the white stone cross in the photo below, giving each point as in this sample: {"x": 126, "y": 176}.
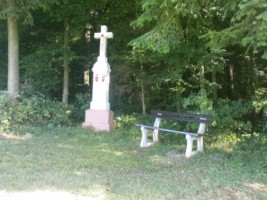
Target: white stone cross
{"x": 103, "y": 36}
{"x": 99, "y": 116}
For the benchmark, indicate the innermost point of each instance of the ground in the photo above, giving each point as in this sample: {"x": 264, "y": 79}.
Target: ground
{"x": 78, "y": 164}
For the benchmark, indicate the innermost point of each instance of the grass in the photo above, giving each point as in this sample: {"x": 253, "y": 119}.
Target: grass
{"x": 75, "y": 163}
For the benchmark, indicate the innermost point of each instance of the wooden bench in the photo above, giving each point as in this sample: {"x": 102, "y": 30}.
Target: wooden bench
{"x": 190, "y": 137}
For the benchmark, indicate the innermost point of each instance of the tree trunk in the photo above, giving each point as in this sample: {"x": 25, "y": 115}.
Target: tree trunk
{"x": 13, "y": 53}
{"x": 203, "y": 91}
{"x": 179, "y": 106}
{"x": 66, "y": 63}
{"x": 232, "y": 86}
{"x": 202, "y": 81}
{"x": 214, "y": 88}
{"x": 228, "y": 78}
{"x": 251, "y": 78}
{"x": 143, "y": 97}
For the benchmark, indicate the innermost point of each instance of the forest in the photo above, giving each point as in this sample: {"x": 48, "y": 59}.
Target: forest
{"x": 204, "y": 56}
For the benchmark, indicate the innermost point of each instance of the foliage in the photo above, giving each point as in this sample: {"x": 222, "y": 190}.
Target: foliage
{"x": 198, "y": 103}
{"x": 206, "y": 34}
{"x": 229, "y": 116}
{"x": 35, "y": 111}
{"x": 248, "y": 27}
{"x": 260, "y": 100}
{"x": 80, "y": 105}
{"x": 124, "y": 121}
{"x": 194, "y": 56}
{"x": 252, "y": 142}
{"x": 177, "y": 22}
{"x": 127, "y": 121}
{"x": 42, "y": 70}
{"x": 23, "y": 8}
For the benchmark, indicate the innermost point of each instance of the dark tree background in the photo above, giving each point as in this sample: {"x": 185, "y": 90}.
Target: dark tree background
{"x": 207, "y": 56}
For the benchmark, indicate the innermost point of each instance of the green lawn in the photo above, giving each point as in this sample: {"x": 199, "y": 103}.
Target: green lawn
{"x": 77, "y": 164}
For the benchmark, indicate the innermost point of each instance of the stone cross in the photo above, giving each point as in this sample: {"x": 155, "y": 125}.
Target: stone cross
{"x": 103, "y": 36}
{"x": 99, "y": 116}
{"x": 101, "y": 71}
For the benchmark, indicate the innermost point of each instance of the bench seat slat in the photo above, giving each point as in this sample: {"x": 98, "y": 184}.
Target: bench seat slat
{"x": 169, "y": 130}
{"x": 179, "y": 114}
{"x": 206, "y": 119}
{"x": 182, "y": 118}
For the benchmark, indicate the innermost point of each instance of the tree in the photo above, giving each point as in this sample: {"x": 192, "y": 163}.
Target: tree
{"x": 13, "y": 50}
{"x": 177, "y": 34}
{"x": 248, "y": 26}
{"x": 73, "y": 16}
{"x": 13, "y": 10}
{"x": 207, "y": 38}
{"x": 3, "y": 56}
{"x": 246, "y": 38}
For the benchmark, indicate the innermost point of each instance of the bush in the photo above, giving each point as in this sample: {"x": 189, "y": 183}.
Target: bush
{"x": 228, "y": 116}
{"x": 34, "y": 111}
{"x": 80, "y": 105}
{"x": 129, "y": 121}
{"x": 231, "y": 116}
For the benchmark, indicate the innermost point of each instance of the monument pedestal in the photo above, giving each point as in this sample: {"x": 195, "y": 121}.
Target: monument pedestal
{"x": 100, "y": 120}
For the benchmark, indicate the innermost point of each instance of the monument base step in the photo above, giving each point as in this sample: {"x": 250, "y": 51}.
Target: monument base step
{"x": 99, "y": 120}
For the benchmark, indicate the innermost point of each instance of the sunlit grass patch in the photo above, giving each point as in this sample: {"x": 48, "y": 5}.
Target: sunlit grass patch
{"x": 98, "y": 165}
{"x": 12, "y": 136}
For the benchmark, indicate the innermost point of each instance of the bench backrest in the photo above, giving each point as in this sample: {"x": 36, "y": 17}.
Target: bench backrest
{"x": 204, "y": 119}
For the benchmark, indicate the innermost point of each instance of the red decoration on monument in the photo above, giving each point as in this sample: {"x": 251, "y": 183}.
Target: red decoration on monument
{"x": 96, "y": 77}
{"x": 103, "y": 78}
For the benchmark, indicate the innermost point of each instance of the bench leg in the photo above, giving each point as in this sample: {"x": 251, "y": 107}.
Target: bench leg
{"x": 156, "y": 132}
{"x": 200, "y": 144}
{"x": 189, "y": 146}
{"x": 144, "y": 142}
{"x": 155, "y": 136}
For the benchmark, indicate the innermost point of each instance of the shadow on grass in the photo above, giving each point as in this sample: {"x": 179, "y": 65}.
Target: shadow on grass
{"x": 80, "y": 164}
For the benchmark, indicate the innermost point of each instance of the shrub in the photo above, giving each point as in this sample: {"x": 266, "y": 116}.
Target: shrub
{"x": 80, "y": 105}
{"x": 231, "y": 116}
{"x": 34, "y": 111}
{"x": 128, "y": 121}
{"x": 228, "y": 116}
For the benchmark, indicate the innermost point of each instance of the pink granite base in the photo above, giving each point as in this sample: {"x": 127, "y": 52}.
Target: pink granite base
{"x": 100, "y": 120}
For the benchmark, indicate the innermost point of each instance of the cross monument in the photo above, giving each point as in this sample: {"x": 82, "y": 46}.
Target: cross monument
{"x": 103, "y": 36}
{"x": 99, "y": 116}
